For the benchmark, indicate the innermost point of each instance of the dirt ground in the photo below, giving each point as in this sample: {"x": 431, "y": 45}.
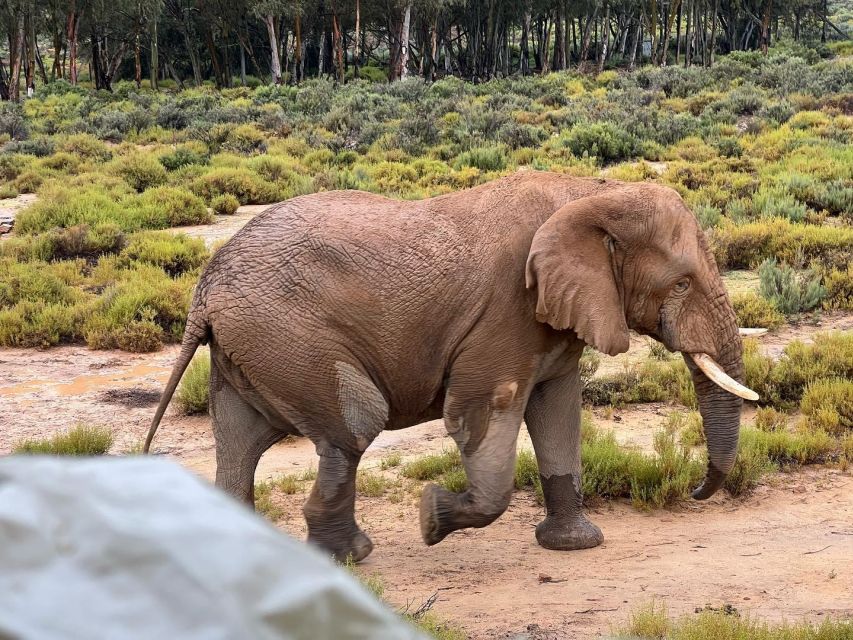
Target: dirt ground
{"x": 785, "y": 552}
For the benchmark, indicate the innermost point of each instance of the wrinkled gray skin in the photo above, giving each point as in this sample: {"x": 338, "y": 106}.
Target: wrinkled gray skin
{"x": 340, "y": 314}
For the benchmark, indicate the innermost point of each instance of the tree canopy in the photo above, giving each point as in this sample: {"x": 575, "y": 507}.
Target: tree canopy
{"x": 232, "y": 42}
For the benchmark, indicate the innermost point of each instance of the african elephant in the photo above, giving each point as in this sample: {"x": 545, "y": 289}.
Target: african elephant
{"x": 340, "y": 314}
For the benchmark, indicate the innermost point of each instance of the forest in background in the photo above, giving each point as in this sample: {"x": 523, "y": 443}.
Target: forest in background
{"x": 249, "y": 42}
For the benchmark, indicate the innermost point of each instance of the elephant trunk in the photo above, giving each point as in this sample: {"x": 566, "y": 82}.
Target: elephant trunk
{"x": 717, "y": 384}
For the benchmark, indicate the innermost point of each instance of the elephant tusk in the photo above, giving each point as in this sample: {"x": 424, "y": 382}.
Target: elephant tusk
{"x": 719, "y": 377}
{"x": 754, "y": 333}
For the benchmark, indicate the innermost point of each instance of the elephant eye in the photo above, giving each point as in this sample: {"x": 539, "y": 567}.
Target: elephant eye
{"x": 682, "y": 285}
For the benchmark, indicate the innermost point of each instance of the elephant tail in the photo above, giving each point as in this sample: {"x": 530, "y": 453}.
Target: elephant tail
{"x": 195, "y": 334}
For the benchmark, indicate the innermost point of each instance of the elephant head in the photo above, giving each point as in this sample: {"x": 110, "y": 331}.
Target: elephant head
{"x": 634, "y": 257}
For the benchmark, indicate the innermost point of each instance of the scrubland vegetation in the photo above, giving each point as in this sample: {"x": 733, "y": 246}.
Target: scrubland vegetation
{"x": 759, "y": 146}
{"x": 653, "y": 623}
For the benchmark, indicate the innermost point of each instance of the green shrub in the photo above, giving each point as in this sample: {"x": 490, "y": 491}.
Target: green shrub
{"x": 752, "y": 310}
{"x": 144, "y": 308}
{"x": 830, "y": 356}
{"x": 35, "y": 323}
{"x": 789, "y": 292}
{"x": 140, "y": 170}
{"x": 182, "y": 156}
{"x": 649, "y": 381}
{"x": 483, "y": 158}
{"x": 82, "y": 440}
{"x": 246, "y": 139}
{"x": 689, "y": 425}
{"x": 432, "y": 466}
{"x": 653, "y": 623}
{"x": 392, "y": 460}
{"x": 828, "y": 405}
{"x": 770, "y": 419}
{"x": 527, "y": 473}
{"x": 601, "y": 140}
{"x": 66, "y": 208}
{"x": 174, "y": 253}
{"x": 168, "y": 207}
{"x": 839, "y": 288}
{"x": 225, "y": 205}
{"x": 751, "y": 465}
{"x": 746, "y": 246}
{"x": 368, "y": 483}
{"x": 245, "y": 185}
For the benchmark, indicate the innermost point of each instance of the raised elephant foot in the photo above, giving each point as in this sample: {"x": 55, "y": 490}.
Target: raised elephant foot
{"x": 354, "y": 548}
{"x": 438, "y": 506}
{"x": 443, "y": 512}
{"x": 568, "y": 535}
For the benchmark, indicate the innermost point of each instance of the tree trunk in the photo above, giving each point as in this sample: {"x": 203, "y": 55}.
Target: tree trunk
{"x": 16, "y": 54}
{"x": 605, "y": 37}
{"x": 337, "y": 45}
{"x": 765, "y": 26}
{"x": 275, "y": 62}
{"x": 357, "y": 38}
{"x": 404, "y": 42}
{"x": 688, "y": 41}
{"x": 637, "y": 42}
{"x": 155, "y": 55}
{"x": 298, "y": 51}
{"x": 137, "y": 62}
{"x": 30, "y": 38}
{"x": 713, "y": 45}
{"x": 524, "y": 62}
{"x": 587, "y": 35}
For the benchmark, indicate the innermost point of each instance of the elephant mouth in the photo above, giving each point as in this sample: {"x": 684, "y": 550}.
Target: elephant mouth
{"x": 718, "y": 376}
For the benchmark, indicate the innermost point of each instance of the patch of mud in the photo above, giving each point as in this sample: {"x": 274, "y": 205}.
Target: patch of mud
{"x": 134, "y": 397}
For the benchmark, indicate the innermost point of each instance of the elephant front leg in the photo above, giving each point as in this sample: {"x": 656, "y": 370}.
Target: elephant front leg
{"x": 330, "y": 509}
{"x": 486, "y": 431}
{"x": 553, "y": 419}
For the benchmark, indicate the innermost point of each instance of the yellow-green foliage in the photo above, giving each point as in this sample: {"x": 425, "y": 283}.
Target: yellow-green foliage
{"x": 747, "y": 246}
{"x": 828, "y": 405}
{"x": 652, "y": 622}
{"x": 650, "y": 381}
{"x": 371, "y": 484}
{"x": 433, "y": 466}
{"x": 754, "y": 311}
{"x": 783, "y": 382}
{"x": 225, "y": 204}
{"x": 193, "y": 394}
{"x": 770, "y": 419}
{"x": 82, "y": 440}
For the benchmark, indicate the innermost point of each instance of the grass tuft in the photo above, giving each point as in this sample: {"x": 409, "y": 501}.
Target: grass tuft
{"x": 193, "y": 395}
{"x": 82, "y": 440}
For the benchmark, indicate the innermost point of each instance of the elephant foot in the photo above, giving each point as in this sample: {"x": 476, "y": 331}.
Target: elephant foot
{"x": 353, "y": 548}
{"x": 562, "y": 534}
{"x": 438, "y": 507}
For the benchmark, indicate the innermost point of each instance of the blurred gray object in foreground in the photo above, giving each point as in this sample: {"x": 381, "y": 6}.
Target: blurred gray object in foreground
{"x": 140, "y": 548}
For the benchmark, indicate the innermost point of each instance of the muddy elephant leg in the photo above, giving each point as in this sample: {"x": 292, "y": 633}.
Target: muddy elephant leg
{"x": 242, "y": 435}
{"x": 487, "y": 439}
{"x": 330, "y": 509}
{"x": 553, "y": 417}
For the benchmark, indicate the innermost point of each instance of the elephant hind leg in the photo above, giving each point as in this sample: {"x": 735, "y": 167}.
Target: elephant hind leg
{"x": 242, "y": 435}
{"x": 330, "y": 509}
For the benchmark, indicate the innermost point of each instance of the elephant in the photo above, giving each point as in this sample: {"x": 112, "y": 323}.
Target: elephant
{"x": 340, "y": 314}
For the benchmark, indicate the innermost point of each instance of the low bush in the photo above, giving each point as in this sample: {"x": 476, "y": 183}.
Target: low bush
{"x": 839, "y": 288}
{"x": 193, "y": 394}
{"x": 788, "y": 291}
{"x": 770, "y": 419}
{"x": 650, "y": 381}
{"x": 747, "y": 246}
{"x": 828, "y": 405}
{"x": 168, "y": 207}
{"x": 752, "y": 310}
{"x": 601, "y": 140}
{"x": 653, "y": 623}
{"x": 144, "y": 308}
{"x": 245, "y": 185}
{"x": 483, "y": 158}
{"x": 225, "y": 205}
{"x": 174, "y": 253}
{"x": 432, "y": 467}
{"x": 82, "y": 440}
{"x": 371, "y": 484}
{"x": 140, "y": 170}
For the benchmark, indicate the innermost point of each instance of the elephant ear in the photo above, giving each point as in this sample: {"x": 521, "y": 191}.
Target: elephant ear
{"x": 571, "y": 266}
